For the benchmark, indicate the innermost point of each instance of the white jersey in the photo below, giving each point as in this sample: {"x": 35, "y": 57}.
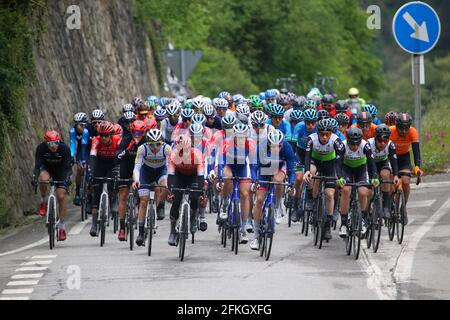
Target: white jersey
{"x": 379, "y": 155}
{"x": 263, "y": 133}
{"x": 167, "y": 130}
{"x": 356, "y": 158}
{"x": 146, "y": 157}
{"x": 323, "y": 152}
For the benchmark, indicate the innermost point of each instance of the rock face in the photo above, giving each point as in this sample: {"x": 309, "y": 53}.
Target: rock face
{"x": 104, "y": 64}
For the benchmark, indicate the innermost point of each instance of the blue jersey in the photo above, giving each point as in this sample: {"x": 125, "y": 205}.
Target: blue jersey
{"x": 265, "y": 160}
{"x": 79, "y": 144}
{"x": 377, "y": 121}
{"x": 340, "y": 135}
{"x": 285, "y": 127}
{"x": 302, "y": 134}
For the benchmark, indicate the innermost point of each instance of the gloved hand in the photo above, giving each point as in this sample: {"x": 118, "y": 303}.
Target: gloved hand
{"x": 340, "y": 182}
{"x": 375, "y": 182}
{"x": 291, "y": 190}
{"x": 212, "y": 175}
{"x": 417, "y": 171}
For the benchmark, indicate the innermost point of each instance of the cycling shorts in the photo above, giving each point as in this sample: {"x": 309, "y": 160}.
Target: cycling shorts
{"x": 265, "y": 186}
{"x": 327, "y": 169}
{"x": 383, "y": 165}
{"x": 102, "y": 169}
{"x": 126, "y": 171}
{"x": 404, "y": 162}
{"x": 151, "y": 175}
{"x": 241, "y": 171}
{"x": 356, "y": 175}
{"x": 57, "y": 174}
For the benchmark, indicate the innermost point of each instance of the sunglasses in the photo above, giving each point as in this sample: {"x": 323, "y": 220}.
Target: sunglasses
{"x": 137, "y": 133}
{"x": 105, "y": 135}
{"x": 383, "y": 140}
{"x": 53, "y": 144}
{"x": 155, "y": 144}
{"x": 324, "y": 134}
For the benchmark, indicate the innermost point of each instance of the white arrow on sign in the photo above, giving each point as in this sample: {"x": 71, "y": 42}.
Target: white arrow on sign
{"x": 420, "y": 32}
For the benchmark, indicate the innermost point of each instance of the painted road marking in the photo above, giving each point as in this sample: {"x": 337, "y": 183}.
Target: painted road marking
{"x": 27, "y": 276}
{"x": 420, "y": 204}
{"x": 30, "y": 263}
{"x": 23, "y": 283}
{"x": 32, "y": 245}
{"x": 18, "y": 291}
{"x": 78, "y": 227}
{"x": 32, "y": 269}
{"x": 44, "y": 257}
{"x": 14, "y": 298}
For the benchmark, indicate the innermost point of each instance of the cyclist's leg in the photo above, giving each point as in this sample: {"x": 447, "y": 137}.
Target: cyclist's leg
{"x": 345, "y": 195}
{"x": 126, "y": 172}
{"x": 405, "y": 168}
{"x": 161, "y": 193}
{"x": 100, "y": 170}
{"x": 44, "y": 176}
{"x": 226, "y": 191}
{"x": 385, "y": 173}
{"x": 257, "y": 212}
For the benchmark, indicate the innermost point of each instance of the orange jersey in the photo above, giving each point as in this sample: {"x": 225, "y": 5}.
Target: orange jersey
{"x": 371, "y": 131}
{"x": 403, "y": 144}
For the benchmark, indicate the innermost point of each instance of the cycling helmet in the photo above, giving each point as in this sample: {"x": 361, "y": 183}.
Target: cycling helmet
{"x": 127, "y": 107}
{"x": 80, "y": 117}
{"x": 207, "y": 100}
{"x": 296, "y": 115}
{"x": 354, "y": 134}
{"x": 164, "y": 101}
{"x": 160, "y": 114}
{"x": 275, "y": 137}
{"x": 181, "y": 99}
{"x": 187, "y": 113}
{"x": 341, "y": 106}
{"x": 270, "y": 94}
{"x": 118, "y": 129}
{"x": 364, "y": 117}
{"x": 150, "y": 104}
{"x": 243, "y": 109}
{"x": 150, "y": 123}
{"x": 262, "y": 95}
{"x": 105, "y": 127}
{"x": 370, "y": 108}
{"x": 284, "y": 91}
{"x": 188, "y": 104}
{"x": 198, "y": 105}
{"x": 283, "y": 99}
{"x": 240, "y": 129}
{"x": 323, "y": 114}
{"x": 137, "y": 101}
{"x": 196, "y": 129}
{"x": 292, "y": 96}
{"x": 209, "y": 111}
{"x": 390, "y": 118}
{"x": 256, "y": 102}
{"x": 142, "y": 109}
{"x": 310, "y": 104}
{"x": 403, "y": 120}
{"x": 154, "y": 135}
{"x": 173, "y": 108}
{"x": 310, "y": 115}
{"x": 228, "y": 121}
{"x": 299, "y": 102}
{"x": 275, "y": 110}
{"x": 353, "y": 92}
{"x": 199, "y": 118}
{"x": 154, "y": 99}
{"x": 258, "y": 117}
{"x": 238, "y": 98}
{"x": 334, "y": 124}
{"x": 129, "y": 116}
{"x": 97, "y": 115}
{"x": 383, "y": 131}
{"x": 324, "y": 125}
{"x": 138, "y": 125}
{"x": 227, "y": 96}
{"x": 221, "y": 103}
{"x": 327, "y": 99}
{"x": 51, "y": 136}
{"x": 342, "y": 118}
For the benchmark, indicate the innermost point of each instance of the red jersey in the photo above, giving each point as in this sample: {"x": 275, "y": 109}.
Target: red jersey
{"x": 332, "y": 111}
{"x": 188, "y": 164}
{"x": 104, "y": 152}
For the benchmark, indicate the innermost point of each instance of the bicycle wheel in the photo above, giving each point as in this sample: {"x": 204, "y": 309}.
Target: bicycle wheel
{"x": 210, "y": 198}
{"x": 268, "y": 235}
{"x": 131, "y": 222}
{"x": 322, "y": 220}
{"x": 183, "y": 232}
{"x": 401, "y": 217}
{"x": 83, "y": 198}
{"x": 357, "y": 223}
{"x": 103, "y": 217}
{"x": 289, "y": 210}
{"x": 224, "y": 234}
{"x": 392, "y": 218}
{"x": 306, "y": 221}
{"x": 51, "y": 224}
{"x": 316, "y": 223}
{"x": 349, "y": 238}
{"x": 150, "y": 226}
{"x": 377, "y": 224}
{"x": 237, "y": 225}
{"x": 369, "y": 233}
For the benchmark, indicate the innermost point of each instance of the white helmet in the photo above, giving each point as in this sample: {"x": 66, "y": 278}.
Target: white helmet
{"x": 80, "y": 117}
{"x": 258, "y": 117}
{"x": 198, "y": 104}
{"x": 129, "y": 116}
{"x": 221, "y": 103}
{"x": 228, "y": 121}
{"x": 240, "y": 128}
{"x": 207, "y": 100}
{"x": 209, "y": 111}
{"x": 275, "y": 137}
{"x": 196, "y": 129}
{"x": 199, "y": 118}
{"x": 173, "y": 108}
{"x": 127, "y": 107}
{"x": 98, "y": 115}
{"x": 154, "y": 135}
{"x": 242, "y": 112}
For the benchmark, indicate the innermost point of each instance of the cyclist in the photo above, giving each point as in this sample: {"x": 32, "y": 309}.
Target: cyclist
{"x": 126, "y": 156}
{"x": 79, "y": 149}
{"x": 201, "y": 119}
{"x": 327, "y": 104}
{"x": 322, "y": 150}
{"x": 285, "y": 101}
{"x": 198, "y": 105}
{"x": 126, "y": 120}
{"x": 404, "y": 137}
{"x": 183, "y": 127}
{"x": 385, "y": 156}
{"x": 364, "y": 122}
{"x": 213, "y": 121}
{"x": 335, "y": 125}
{"x": 370, "y": 108}
{"x": 274, "y": 162}
{"x": 256, "y": 103}
{"x": 355, "y": 101}
{"x": 271, "y": 97}
{"x": 122, "y": 120}
{"x": 160, "y": 114}
{"x": 243, "y": 113}
{"x": 185, "y": 169}
{"x": 168, "y": 125}
{"x": 276, "y": 113}
{"x": 228, "y": 97}
{"x": 301, "y": 133}
{"x": 97, "y": 117}
{"x": 296, "y": 117}
{"x": 102, "y": 156}
{"x": 343, "y": 122}
{"x": 323, "y": 114}
{"x": 390, "y": 118}
{"x": 356, "y": 163}
{"x": 233, "y": 160}
{"x": 221, "y": 106}
{"x": 150, "y": 167}
{"x": 118, "y": 130}
{"x": 342, "y": 107}
{"x": 53, "y": 159}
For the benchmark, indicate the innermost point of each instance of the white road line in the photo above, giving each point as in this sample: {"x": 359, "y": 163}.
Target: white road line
{"x": 32, "y": 269}
{"x": 420, "y": 204}
{"x": 44, "y": 257}
{"x": 32, "y": 245}
{"x": 18, "y": 291}
{"x": 14, "y": 298}
{"x": 23, "y": 283}
{"x": 30, "y": 263}
{"x": 78, "y": 227}
{"x": 402, "y": 273}
{"x": 27, "y": 276}
{"x": 423, "y": 185}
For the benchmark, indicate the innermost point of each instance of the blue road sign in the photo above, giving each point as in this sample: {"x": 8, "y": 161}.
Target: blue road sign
{"x": 416, "y": 27}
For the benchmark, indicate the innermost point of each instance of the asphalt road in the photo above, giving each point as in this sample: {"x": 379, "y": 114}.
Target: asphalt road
{"x": 80, "y": 269}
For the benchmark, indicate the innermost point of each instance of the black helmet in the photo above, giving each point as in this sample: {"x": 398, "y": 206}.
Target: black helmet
{"x": 342, "y": 118}
{"x": 341, "y": 106}
{"x": 383, "y": 131}
{"x": 323, "y": 114}
{"x": 403, "y": 120}
{"x": 354, "y": 134}
{"x": 364, "y": 117}
{"x": 390, "y": 118}
{"x": 327, "y": 99}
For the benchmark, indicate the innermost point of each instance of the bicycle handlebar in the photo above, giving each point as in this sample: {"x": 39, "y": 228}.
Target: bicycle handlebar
{"x": 185, "y": 190}
{"x": 271, "y": 182}
{"x": 323, "y": 178}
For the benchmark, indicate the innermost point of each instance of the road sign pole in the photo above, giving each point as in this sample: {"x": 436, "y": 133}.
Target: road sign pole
{"x": 417, "y": 96}
{"x": 183, "y": 68}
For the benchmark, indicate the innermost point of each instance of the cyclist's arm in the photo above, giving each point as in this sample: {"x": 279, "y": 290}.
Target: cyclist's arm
{"x": 73, "y": 142}
{"x": 290, "y": 161}
{"x": 416, "y": 152}
{"x": 393, "y": 159}
{"x": 339, "y": 163}
{"x": 308, "y": 150}
{"x": 38, "y": 160}
{"x": 67, "y": 161}
{"x": 122, "y": 152}
{"x": 85, "y": 145}
{"x": 288, "y": 132}
{"x": 138, "y": 163}
{"x": 93, "y": 153}
{"x": 371, "y": 166}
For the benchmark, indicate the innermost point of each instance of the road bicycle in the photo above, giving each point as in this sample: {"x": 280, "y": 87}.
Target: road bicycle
{"x": 84, "y": 191}
{"x": 375, "y": 219}
{"x": 104, "y": 207}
